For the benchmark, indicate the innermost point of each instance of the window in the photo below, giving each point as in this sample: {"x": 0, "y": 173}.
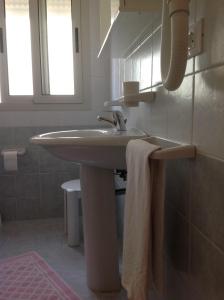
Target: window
{"x": 40, "y": 45}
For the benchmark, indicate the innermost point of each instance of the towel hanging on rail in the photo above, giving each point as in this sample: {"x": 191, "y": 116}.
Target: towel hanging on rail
{"x": 143, "y": 225}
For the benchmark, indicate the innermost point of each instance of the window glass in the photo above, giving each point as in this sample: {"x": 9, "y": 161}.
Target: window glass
{"x": 56, "y": 47}
{"x": 19, "y": 47}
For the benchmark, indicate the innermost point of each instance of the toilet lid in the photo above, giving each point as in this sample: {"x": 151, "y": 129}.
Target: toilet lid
{"x": 72, "y": 186}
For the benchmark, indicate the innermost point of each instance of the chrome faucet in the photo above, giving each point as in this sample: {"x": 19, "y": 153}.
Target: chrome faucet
{"x": 117, "y": 120}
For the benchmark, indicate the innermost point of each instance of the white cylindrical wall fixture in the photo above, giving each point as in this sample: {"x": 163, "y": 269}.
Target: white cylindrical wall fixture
{"x": 174, "y": 45}
{"x": 130, "y": 88}
{"x": 10, "y": 160}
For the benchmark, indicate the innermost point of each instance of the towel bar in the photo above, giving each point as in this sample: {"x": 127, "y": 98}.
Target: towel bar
{"x": 170, "y": 149}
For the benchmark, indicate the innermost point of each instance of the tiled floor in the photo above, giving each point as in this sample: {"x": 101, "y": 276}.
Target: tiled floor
{"x": 47, "y": 238}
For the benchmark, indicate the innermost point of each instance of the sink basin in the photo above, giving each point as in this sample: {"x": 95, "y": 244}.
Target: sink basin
{"x": 97, "y": 147}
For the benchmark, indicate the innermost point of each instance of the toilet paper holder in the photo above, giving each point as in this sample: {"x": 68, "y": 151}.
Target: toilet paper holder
{"x": 20, "y": 151}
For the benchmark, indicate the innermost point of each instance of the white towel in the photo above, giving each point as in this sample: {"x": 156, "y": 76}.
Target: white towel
{"x": 143, "y": 224}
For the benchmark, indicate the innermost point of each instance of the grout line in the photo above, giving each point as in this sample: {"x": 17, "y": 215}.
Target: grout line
{"x": 217, "y": 65}
{"x": 150, "y": 36}
{"x": 208, "y": 68}
{"x": 191, "y": 167}
{"x": 210, "y": 155}
{"x": 208, "y": 239}
{"x": 152, "y": 60}
{"x": 191, "y": 74}
{"x": 190, "y": 217}
{"x": 172, "y": 206}
{"x": 193, "y": 103}
{"x": 211, "y": 67}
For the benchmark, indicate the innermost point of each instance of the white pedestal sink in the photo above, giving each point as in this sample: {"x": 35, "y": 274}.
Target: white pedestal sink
{"x": 99, "y": 152}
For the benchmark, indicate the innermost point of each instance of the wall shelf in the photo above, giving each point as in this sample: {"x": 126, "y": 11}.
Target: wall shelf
{"x": 132, "y": 100}
{"x": 134, "y": 15}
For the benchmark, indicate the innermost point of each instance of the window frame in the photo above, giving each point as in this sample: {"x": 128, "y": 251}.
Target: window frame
{"x": 38, "y": 97}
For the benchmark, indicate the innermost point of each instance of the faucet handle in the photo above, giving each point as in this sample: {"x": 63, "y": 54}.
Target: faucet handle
{"x": 121, "y": 121}
{"x": 117, "y": 120}
{"x": 112, "y": 121}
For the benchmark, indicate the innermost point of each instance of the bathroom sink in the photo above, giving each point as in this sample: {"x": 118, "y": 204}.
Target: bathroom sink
{"x": 96, "y": 147}
{"x": 99, "y": 151}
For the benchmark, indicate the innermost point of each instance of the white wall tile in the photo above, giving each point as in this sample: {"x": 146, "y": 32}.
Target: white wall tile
{"x": 134, "y": 117}
{"x": 136, "y": 64}
{"x": 128, "y": 70}
{"x": 48, "y": 118}
{"x": 212, "y": 12}
{"x": 121, "y": 75}
{"x": 115, "y": 79}
{"x": 158, "y": 113}
{"x": 99, "y": 92}
{"x": 156, "y": 74}
{"x": 209, "y": 112}
{"x": 179, "y": 112}
{"x": 146, "y": 65}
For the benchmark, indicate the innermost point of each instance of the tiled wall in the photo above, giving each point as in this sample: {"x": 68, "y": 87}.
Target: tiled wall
{"x": 195, "y": 190}
{"x": 34, "y": 190}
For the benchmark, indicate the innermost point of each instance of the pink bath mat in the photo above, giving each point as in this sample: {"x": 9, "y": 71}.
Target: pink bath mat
{"x": 29, "y": 277}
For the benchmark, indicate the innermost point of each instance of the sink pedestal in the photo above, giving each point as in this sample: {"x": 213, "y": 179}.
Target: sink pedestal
{"x": 100, "y": 234}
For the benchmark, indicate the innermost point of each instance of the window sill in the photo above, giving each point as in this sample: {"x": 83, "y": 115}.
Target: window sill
{"x": 44, "y": 107}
